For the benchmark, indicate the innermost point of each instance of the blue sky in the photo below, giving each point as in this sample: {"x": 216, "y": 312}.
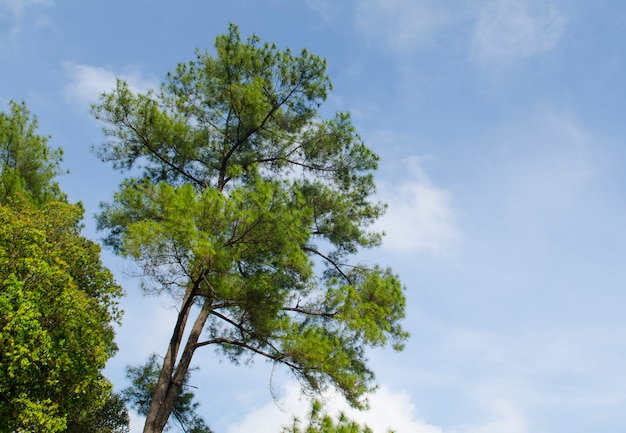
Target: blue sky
{"x": 500, "y": 124}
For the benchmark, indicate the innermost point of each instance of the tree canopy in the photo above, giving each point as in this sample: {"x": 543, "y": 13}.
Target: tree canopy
{"x": 242, "y": 200}
{"x": 58, "y": 303}
{"x": 57, "y": 306}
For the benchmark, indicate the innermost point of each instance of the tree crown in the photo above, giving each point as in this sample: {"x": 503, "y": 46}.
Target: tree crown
{"x": 238, "y": 191}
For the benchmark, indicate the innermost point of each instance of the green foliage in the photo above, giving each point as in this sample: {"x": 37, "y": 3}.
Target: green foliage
{"x": 27, "y": 164}
{"x": 57, "y": 306}
{"x": 112, "y": 417}
{"x": 144, "y": 379}
{"x": 320, "y": 422}
{"x": 238, "y": 191}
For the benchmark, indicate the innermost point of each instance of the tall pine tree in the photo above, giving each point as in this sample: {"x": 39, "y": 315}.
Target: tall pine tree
{"x": 244, "y": 201}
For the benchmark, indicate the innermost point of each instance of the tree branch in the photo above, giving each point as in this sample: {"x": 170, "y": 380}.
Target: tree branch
{"x": 146, "y": 142}
{"x": 329, "y": 260}
{"x": 309, "y": 312}
{"x": 248, "y": 134}
{"x": 275, "y": 357}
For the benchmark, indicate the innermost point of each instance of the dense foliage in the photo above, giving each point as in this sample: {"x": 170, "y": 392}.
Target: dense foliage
{"x": 112, "y": 417}
{"x": 57, "y": 301}
{"x": 243, "y": 201}
{"x": 56, "y": 310}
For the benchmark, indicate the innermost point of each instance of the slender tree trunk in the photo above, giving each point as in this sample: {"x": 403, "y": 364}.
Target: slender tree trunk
{"x": 169, "y": 362}
{"x": 172, "y": 376}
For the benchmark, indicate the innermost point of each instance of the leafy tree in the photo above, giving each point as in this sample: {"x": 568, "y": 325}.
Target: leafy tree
{"x": 57, "y": 300}
{"x": 144, "y": 379}
{"x": 242, "y": 200}
{"x": 27, "y": 164}
{"x": 112, "y": 417}
{"x": 57, "y": 303}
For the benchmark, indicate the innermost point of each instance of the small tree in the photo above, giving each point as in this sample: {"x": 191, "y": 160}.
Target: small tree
{"x": 320, "y": 422}
{"x": 144, "y": 379}
{"x": 238, "y": 191}
{"x": 27, "y": 164}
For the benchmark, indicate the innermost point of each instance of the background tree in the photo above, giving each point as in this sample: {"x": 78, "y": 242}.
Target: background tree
{"x": 144, "y": 379}
{"x": 27, "y": 164}
{"x": 57, "y": 300}
{"x": 237, "y": 189}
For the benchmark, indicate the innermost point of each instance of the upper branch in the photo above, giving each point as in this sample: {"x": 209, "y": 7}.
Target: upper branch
{"x": 146, "y": 143}
{"x": 278, "y": 357}
{"x": 309, "y": 312}
{"x": 329, "y": 260}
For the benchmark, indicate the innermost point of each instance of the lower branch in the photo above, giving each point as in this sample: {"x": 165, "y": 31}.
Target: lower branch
{"x": 274, "y": 357}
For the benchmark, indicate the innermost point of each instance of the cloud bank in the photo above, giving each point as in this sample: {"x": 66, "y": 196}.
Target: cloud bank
{"x": 389, "y": 411}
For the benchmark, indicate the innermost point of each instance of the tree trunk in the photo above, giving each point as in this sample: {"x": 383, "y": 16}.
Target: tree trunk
{"x": 172, "y": 376}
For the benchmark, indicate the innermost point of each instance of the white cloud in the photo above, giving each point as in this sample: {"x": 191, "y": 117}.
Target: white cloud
{"x": 420, "y": 215}
{"x": 17, "y": 6}
{"x": 403, "y": 24}
{"x": 507, "y": 31}
{"x": 389, "y": 411}
{"x": 393, "y": 411}
{"x": 87, "y": 82}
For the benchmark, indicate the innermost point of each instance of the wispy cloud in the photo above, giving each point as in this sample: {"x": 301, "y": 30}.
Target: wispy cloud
{"x": 529, "y": 367}
{"x": 508, "y": 31}
{"x": 500, "y": 32}
{"x": 420, "y": 215}
{"x": 87, "y": 83}
{"x": 16, "y": 7}
{"x": 402, "y": 24}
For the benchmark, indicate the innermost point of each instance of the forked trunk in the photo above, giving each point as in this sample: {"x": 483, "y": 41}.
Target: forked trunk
{"x": 172, "y": 376}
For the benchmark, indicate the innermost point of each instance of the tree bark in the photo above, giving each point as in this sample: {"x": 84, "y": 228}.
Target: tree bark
{"x": 172, "y": 376}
